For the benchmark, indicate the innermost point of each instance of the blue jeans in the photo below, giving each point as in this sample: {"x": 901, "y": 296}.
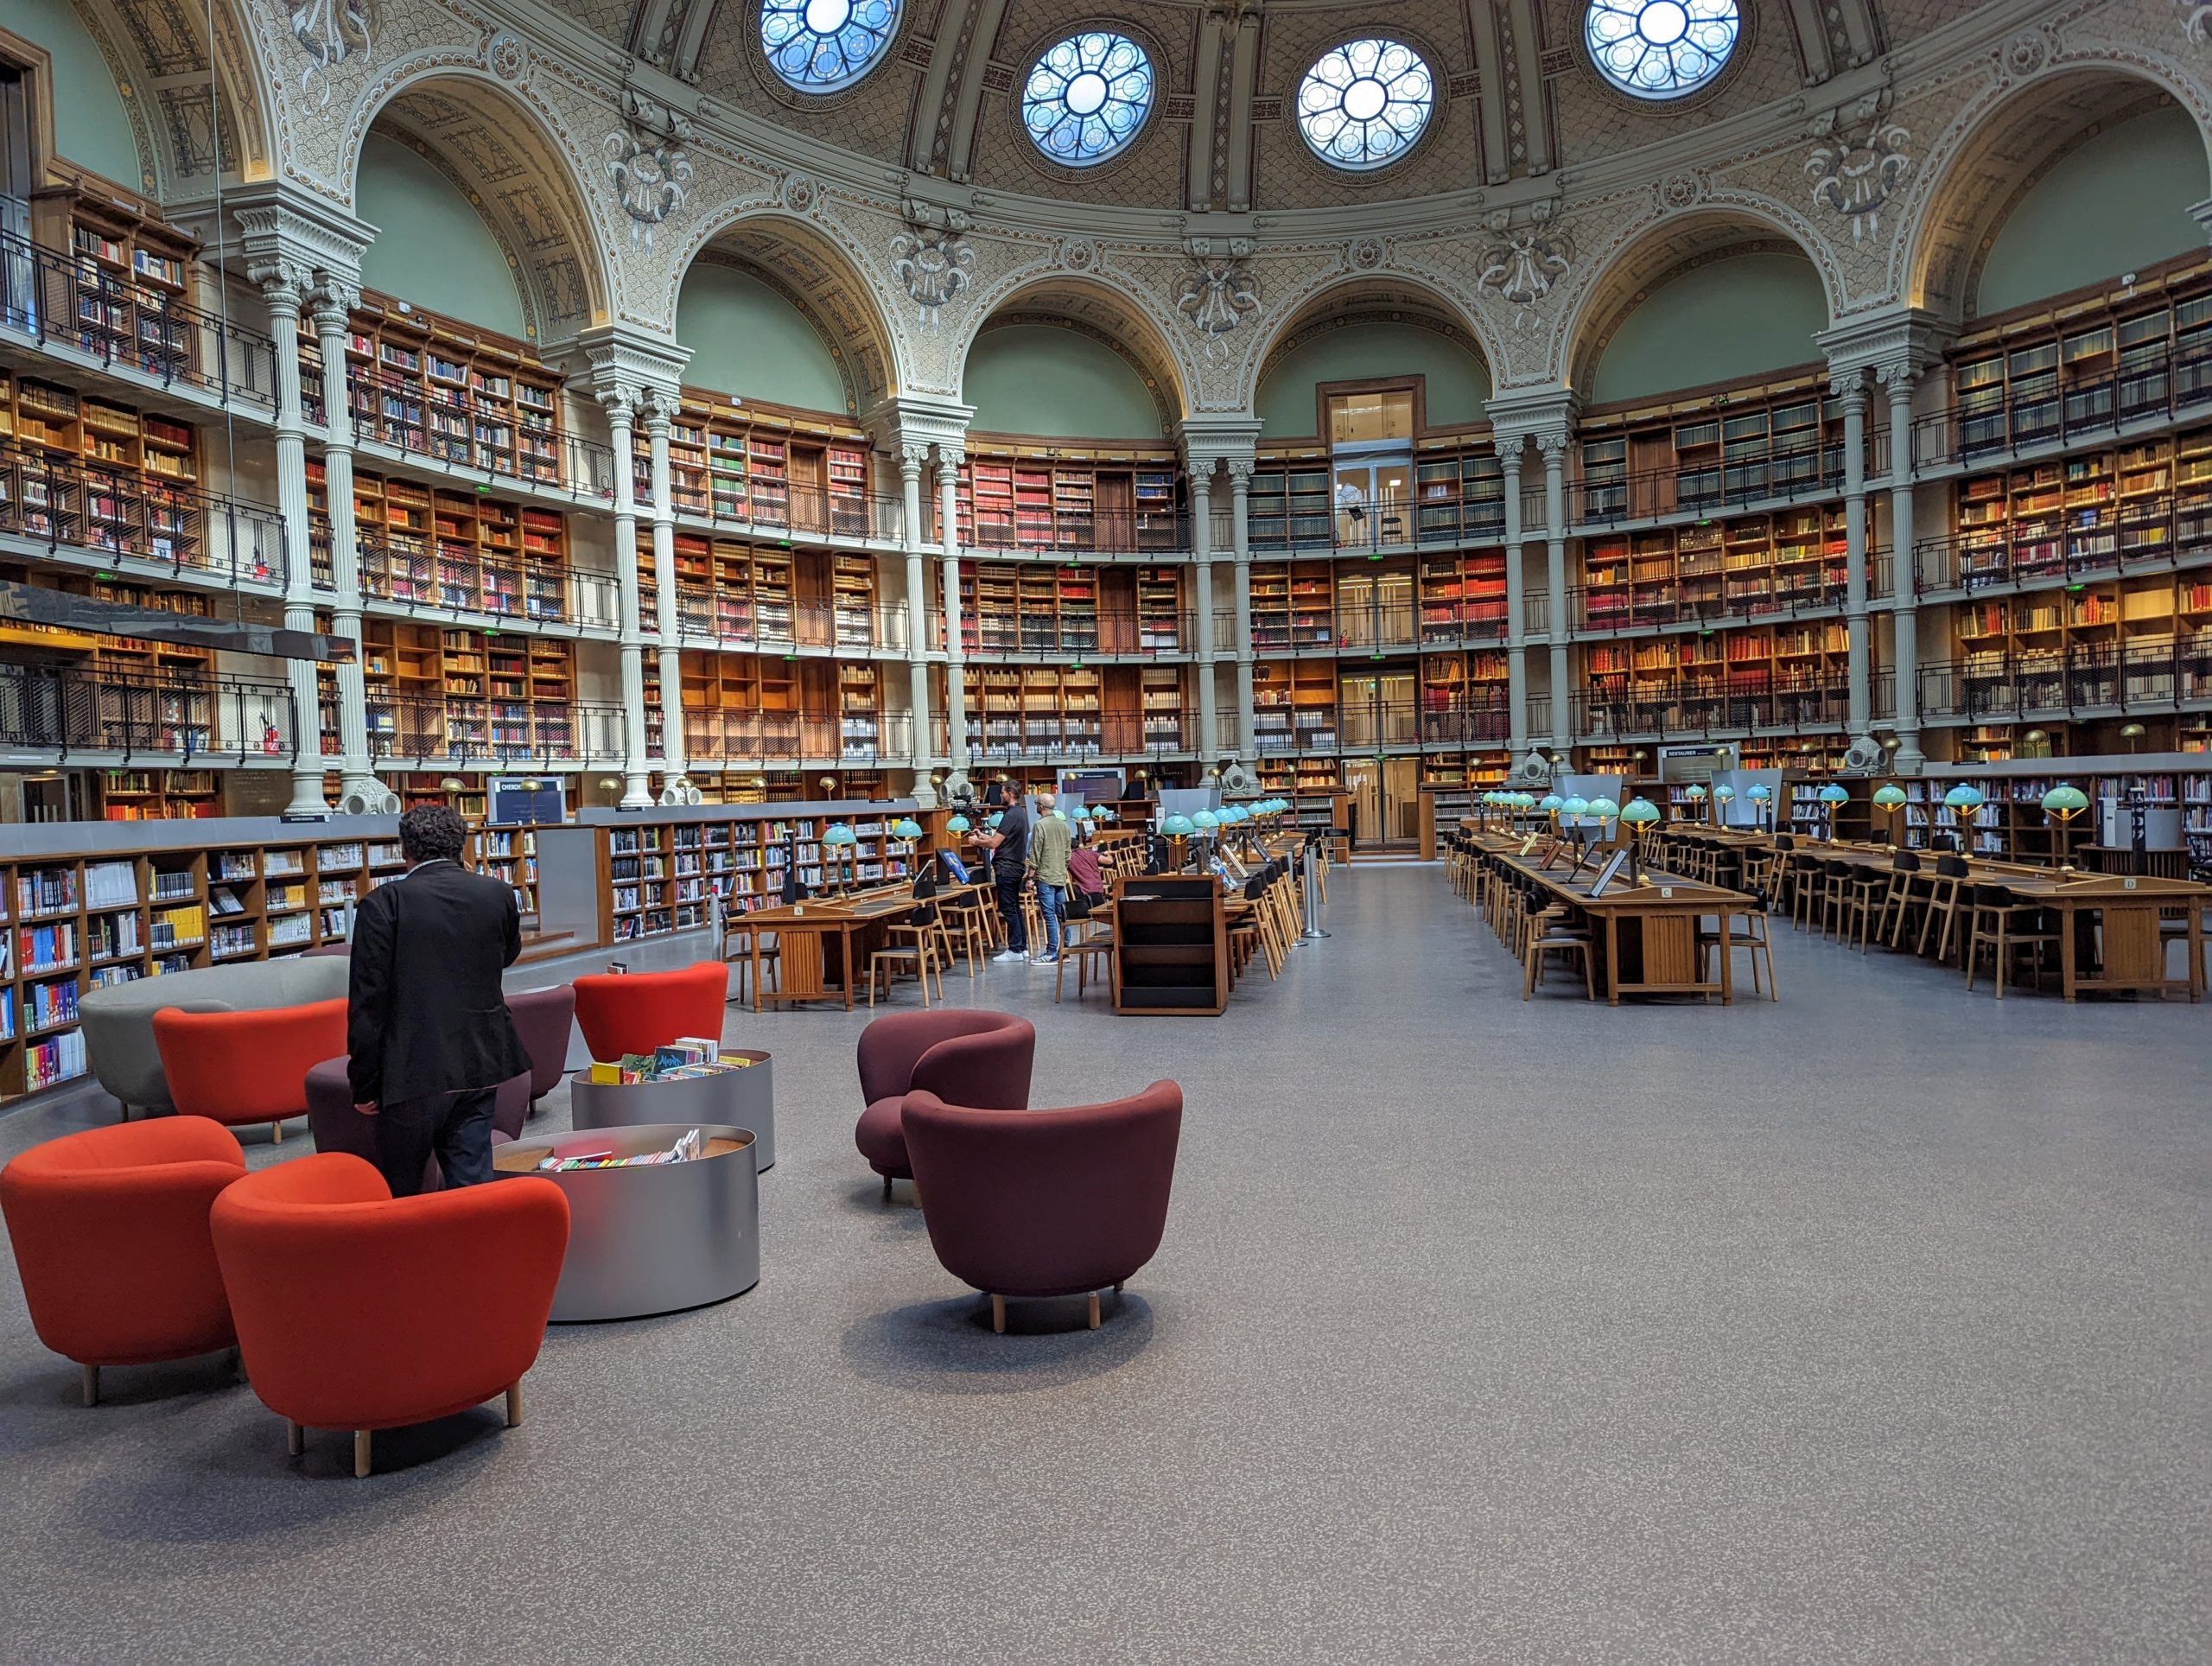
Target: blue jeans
{"x": 1053, "y": 903}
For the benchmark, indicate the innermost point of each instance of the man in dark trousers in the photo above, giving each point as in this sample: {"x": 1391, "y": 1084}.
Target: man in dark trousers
{"x": 427, "y": 1029}
{"x": 1010, "y": 848}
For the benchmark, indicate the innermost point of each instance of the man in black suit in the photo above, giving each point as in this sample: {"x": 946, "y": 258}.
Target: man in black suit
{"x": 428, "y": 1034}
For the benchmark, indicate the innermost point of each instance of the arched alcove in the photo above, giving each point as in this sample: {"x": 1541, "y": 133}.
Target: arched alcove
{"x": 1047, "y": 376}
{"x": 1456, "y": 383}
{"x": 433, "y": 248}
{"x": 91, "y": 126}
{"x": 2117, "y": 201}
{"x": 1728, "y": 316}
{"x": 750, "y": 338}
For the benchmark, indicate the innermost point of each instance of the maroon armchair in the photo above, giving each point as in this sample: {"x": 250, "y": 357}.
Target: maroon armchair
{"x": 1046, "y": 1203}
{"x": 967, "y": 1056}
{"x": 543, "y": 1020}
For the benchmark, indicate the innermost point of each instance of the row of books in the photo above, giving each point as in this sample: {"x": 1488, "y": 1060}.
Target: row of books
{"x": 688, "y": 1148}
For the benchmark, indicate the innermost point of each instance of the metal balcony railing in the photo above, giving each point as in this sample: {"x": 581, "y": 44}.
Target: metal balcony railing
{"x": 2156, "y": 674}
{"x": 1602, "y": 500}
{"x": 1352, "y": 626}
{"x": 1699, "y": 710}
{"x": 1748, "y": 594}
{"x": 1076, "y": 735}
{"x": 74, "y": 301}
{"x": 464, "y": 730}
{"x": 65, "y": 709}
{"x": 777, "y": 508}
{"x": 122, "y": 513}
{"x": 1428, "y": 523}
{"x": 2159, "y": 385}
{"x": 1111, "y": 635}
{"x": 730, "y": 622}
{"x": 452, "y": 427}
{"x": 1135, "y": 533}
{"x": 2095, "y": 540}
{"x": 734, "y": 739}
{"x": 545, "y": 592}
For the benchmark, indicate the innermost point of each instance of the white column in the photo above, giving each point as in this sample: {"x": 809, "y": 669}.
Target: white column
{"x": 1202, "y": 603}
{"x": 282, "y": 287}
{"x": 1240, "y": 533}
{"x": 1905, "y": 578}
{"x": 949, "y": 455}
{"x": 1554, "y": 448}
{"x": 1516, "y": 602}
{"x": 659, "y": 408}
{"x": 911, "y": 457}
{"x": 630, "y": 637}
{"x": 334, "y": 301}
{"x": 1853, "y": 388}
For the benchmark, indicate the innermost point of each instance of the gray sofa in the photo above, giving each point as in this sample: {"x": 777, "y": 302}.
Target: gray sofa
{"x": 119, "y": 1022}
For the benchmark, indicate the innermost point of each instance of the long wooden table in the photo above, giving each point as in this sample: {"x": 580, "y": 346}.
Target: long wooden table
{"x": 803, "y": 932}
{"x": 2122, "y": 951}
{"x": 1651, "y": 930}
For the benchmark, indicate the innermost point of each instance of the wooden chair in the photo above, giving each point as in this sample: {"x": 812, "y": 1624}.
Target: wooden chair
{"x": 2000, "y": 920}
{"x": 1751, "y": 937}
{"x": 1946, "y": 891}
{"x": 1550, "y": 934}
{"x": 1096, "y": 943}
{"x": 1860, "y": 892}
{"x": 1898, "y": 897}
{"x": 964, "y": 921}
{"x": 923, "y": 935}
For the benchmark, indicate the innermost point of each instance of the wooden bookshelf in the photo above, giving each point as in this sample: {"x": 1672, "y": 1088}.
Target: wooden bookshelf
{"x": 1295, "y": 708}
{"x": 2105, "y": 510}
{"x": 450, "y": 391}
{"x": 746, "y": 706}
{"x": 1462, "y": 595}
{"x": 1790, "y": 670}
{"x": 762, "y": 464}
{"x": 83, "y": 920}
{"x": 133, "y": 273}
{"x": 1780, "y": 439}
{"x": 432, "y": 690}
{"x": 1740, "y": 567}
{"x": 136, "y": 499}
{"x": 1294, "y": 606}
{"x": 1459, "y": 491}
{"x": 1025, "y": 608}
{"x": 1289, "y": 503}
{"x": 1116, "y": 500}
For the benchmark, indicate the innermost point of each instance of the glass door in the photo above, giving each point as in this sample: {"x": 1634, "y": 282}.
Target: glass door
{"x": 1373, "y": 499}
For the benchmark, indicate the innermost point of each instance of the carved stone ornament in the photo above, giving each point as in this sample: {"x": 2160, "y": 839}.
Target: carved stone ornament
{"x": 1221, "y": 291}
{"x": 1364, "y": 255}
{"x": 933, "y": 259}
{"x": 1079, "y": 254}
{"x": 2024, "y": 52}
{"x": 1522, "y": 270}
{"x": 505, "y": 56}
{"x": 330, "y": 32}
{"x": 1680, "y": 190}
{"x": 1861, "y": 168}
{"x": 2196, "y": 21}
{"x": 801, "y": 193}
{"x": 646, "y": 162}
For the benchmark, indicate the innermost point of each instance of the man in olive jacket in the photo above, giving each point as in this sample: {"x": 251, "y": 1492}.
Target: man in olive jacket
{"x": 428, "y": 1034}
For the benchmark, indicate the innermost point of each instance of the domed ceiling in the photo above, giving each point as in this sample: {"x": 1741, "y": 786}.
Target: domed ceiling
{"x": 1511, "y": 87}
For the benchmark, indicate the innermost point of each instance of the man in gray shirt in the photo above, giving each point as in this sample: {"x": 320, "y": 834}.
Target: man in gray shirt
{"x": 1050, "y": 840}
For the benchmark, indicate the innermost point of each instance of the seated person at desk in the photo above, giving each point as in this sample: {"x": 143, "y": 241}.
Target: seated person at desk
{"x": 1086, "y": 885}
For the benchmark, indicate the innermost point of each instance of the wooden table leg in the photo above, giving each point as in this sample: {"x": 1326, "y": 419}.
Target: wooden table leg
{"x": 2069, "y": 931}
{"x": 845, "y": 946}
{"x": 1613, "y": 958}
{"x": 756, "y": 970}
{"x": 1727, "y": 957}
{"x": 2196, "y": 948}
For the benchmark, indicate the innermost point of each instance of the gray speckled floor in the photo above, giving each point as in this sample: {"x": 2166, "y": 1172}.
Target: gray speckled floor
{"x": 1870, "y": 1325}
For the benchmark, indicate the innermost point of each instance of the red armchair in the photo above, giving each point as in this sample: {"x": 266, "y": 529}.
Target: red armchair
{"x": 247, "y": 1066}
{"x": 109, "y": 1230}
{"x": 1046, "y": 1203}
{"x": 543, "y": 1020}
{"x": 969, "y": 1057}
{"x": 357, "y": 1310}
{"x": 636, "y": 1012}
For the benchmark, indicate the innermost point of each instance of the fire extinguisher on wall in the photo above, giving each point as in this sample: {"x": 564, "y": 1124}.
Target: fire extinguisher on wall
{"x": 271, "y": 743}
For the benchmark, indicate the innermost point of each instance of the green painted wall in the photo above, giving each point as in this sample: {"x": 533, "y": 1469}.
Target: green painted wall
{"x": 90, "y": 126}
{"x": 1458, "y": 385}
{"x": 2117, "y": 203}
{"x": 1038, "y": 378}
{"x": 1735, "y": 317}
{"x": 746, "y": 340}
{"x": 432, "y": 247}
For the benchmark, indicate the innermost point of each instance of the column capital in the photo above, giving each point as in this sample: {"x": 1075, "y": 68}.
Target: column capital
{"x": 1241, "y": 470}
{"x": 632, "y": 362}
{"x": 283, "y": 284}
{"x": 659, "y": 406}
{"x": 1541, "y": 414}
{"x": 909, "y": 419}
{"x": 1891, "y": 342}
{"x": 913, "y": 457}
{"x": 619, "y": 402}
{"x": 276, "y": 225}
{"x": 334, "y": 298}
{"x": 1210, "y": 441}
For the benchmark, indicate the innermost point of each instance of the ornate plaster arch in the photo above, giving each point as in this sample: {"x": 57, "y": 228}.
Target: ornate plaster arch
{"x": 512, "y": 156}
{"x": 1664, "y": 246}
{"x": 2041, "y": 101}
{"x": 812, "y": 262}
{"x": 161, "y": 59}
{"x": 1335, "y": 299}
{"x": 1092, "y": 293}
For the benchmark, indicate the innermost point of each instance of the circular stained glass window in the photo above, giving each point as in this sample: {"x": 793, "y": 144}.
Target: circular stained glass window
{"x": 819, "y": 46}
{"x": 1365, "y": 102}
{"x": 1087, "y": 97}
{"x": 1661, "y": 48}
